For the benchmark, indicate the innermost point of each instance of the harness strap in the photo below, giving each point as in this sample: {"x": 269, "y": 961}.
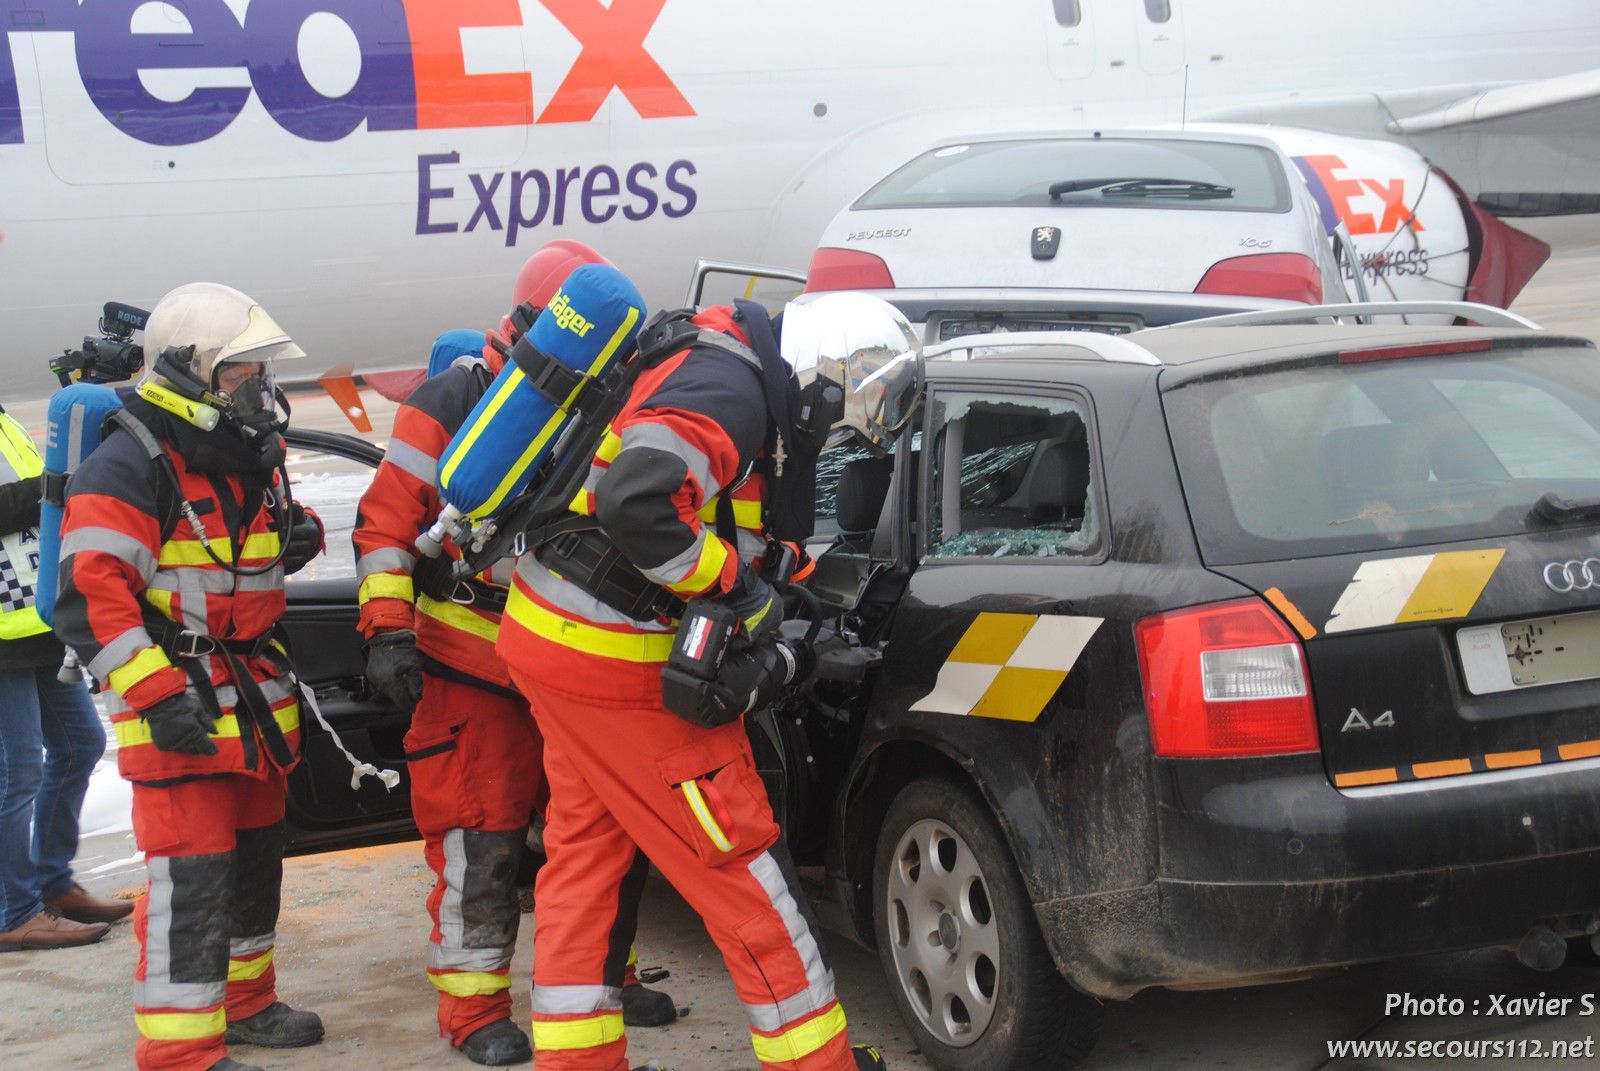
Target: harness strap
{"x": 581, "y": 553}
{"x": 186, "y": 648}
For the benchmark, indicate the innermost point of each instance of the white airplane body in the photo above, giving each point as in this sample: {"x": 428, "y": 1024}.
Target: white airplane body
{"x": 374, "y": 173}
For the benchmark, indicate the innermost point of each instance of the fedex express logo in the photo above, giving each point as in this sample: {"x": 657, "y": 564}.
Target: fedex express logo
{"x": 1334, "y": 193}
{"x": 412, "y": 70}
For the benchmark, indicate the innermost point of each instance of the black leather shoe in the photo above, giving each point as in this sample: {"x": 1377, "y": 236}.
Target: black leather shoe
{"x": 278, "y": 1027}
{"x": 500, "y": 1043}
{"x": 643, "y": 1006}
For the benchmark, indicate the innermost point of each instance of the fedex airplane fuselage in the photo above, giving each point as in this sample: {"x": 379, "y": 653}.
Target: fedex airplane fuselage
{"x": 374, "y": 171}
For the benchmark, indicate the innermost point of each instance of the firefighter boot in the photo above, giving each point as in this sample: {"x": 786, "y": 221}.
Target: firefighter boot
{"x": 277, "y": 1027}
{"x": 868, "y": 1058}
{"x": 643, "y": 1006}
{"x": 500, "y": 1043}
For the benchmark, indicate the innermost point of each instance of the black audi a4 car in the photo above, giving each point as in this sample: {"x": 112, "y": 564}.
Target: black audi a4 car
{"x": 1199, "y": 656}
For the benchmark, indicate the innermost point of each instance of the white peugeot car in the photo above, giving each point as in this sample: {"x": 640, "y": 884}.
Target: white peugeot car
{"x": 1113, "y": 232}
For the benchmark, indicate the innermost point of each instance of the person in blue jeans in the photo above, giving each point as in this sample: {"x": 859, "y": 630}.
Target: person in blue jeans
{"x": 50, "y": 738}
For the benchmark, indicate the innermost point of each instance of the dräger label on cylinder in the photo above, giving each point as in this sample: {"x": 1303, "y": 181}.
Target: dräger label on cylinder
{"x": 569, "y": 318}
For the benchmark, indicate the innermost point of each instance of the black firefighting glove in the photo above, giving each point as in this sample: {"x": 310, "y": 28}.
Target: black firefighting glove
{"x": 305, "y": 539}
{"x": 759, "y": 608}
{"x": 394, "y": 667}
{"x": 181, "y": 724}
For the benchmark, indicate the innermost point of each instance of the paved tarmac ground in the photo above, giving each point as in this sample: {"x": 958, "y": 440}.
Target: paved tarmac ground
{"x": 352, "y": 932}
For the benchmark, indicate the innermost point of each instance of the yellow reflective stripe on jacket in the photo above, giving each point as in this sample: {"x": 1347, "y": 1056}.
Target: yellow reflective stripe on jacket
{"x": 136, "y": 731}
{"x": 801, "y": 1041}
{"x": 713, "y": 556}
{"x": 263, "y": 545}
{"x": 470, "y": 983}
{"x": 387, "y": 586}
{"x": 702, "y": 813}
{"x": 20, "y": 451}
{"x": 22, "y": 455}
{"x": 181, "y": 1026}
{"x": 248, "y": 970}
{"x": 147, "y": 661}
{"x": 610, "y": 446}
{"x": 746, "y": 513}
{"x": 580, "y": 636}
{"x": 586, "y": 1033}
{"x": 459, "y": 617}
{"x": 161, "y": 599}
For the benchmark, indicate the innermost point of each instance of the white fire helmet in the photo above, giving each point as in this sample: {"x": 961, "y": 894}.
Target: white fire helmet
{"x": 224, "y": 326}
{"x": 864, "y": 346}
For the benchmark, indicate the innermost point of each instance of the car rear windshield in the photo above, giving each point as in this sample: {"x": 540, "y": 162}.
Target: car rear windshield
{"x": 1209, "y": 176}
{"x": 1342, "y": 458}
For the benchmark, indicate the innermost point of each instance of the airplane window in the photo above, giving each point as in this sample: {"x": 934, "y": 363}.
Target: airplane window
{"x": 1158, "y": 10}
{"x": 1068, "y": 13}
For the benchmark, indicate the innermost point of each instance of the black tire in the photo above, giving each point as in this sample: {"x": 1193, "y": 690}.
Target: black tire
{"x": 1033, "y": 1020}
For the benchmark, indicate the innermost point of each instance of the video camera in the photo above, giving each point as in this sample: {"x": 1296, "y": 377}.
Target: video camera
{"x": 112, "y": 357}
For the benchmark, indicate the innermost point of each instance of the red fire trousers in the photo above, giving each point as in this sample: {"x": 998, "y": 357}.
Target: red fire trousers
{"x": 214, "y": 850}
{"x": 627, "y": 776}
{"x": 475, "y": 759}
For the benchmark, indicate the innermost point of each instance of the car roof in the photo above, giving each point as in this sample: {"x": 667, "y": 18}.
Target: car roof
{"x": 1133, "y": 134}
{"x": 1205, "y": 351}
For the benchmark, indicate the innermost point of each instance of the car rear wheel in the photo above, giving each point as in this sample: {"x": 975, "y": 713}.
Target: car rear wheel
{"x": 960, "y": 944}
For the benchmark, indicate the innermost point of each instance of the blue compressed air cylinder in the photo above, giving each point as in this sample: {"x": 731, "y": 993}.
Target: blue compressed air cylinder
{"x": 588, "y": 326}
{"x": 76, "y": 417}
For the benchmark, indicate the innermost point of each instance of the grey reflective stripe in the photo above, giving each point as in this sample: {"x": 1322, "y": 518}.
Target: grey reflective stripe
{"x": 75, "y": 439}
{"x": 490, "y": 960}
{"x": 180, "y": 996}
{"x": 764, "y": 868}
{"x": 118, "y": 651}
{"x": 682, "y": 565}
{"x": 249, "y": 946}
{"x": 271, "y": 580}
{"x": 451, "y": 925}
{"x": 279, "y": 688}
{"x": 383, "y": 561}
{"x": 770, "y": 1018}
{"x": 158, "y": 920}
{"x": 751, "y": 545}
{"x": 500, "y": 573}
{"x": 653, "y": 436}
{"x": 573, "y": 601}
{"x": 718, "y": 341}
{"x": 408, "y": 458}
{"x": 576, "y": 999}
{"x": 183, "y": 578}
{"x": 119, "y": 545}
{"x": 196, "y": 610}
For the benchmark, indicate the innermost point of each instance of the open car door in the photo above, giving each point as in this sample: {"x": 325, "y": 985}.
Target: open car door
{"x": 328, "y": 473}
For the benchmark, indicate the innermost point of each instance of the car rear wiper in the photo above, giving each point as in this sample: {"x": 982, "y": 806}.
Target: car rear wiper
{"x": 1553, "y": 509}
{"x": 1143, "y": 187}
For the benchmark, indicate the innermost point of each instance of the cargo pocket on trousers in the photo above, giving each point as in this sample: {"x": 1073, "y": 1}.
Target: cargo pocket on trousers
{"x": 440, "y": 796}
{"x": 716, "y": 810}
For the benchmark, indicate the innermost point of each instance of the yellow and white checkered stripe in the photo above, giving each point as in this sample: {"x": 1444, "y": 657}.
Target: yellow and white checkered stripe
{"x": 1424, "y": 587}
{"x": 1008, "y": 665}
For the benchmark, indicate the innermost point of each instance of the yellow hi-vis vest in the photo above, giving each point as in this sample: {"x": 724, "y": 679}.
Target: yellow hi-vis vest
{"x": 19, "y": 551}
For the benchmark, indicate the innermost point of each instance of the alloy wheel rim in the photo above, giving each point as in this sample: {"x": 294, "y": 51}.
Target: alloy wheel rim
{"x": 942, "y": 933}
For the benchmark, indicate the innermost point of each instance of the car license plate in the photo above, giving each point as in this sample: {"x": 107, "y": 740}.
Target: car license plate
{"x": 1531, "y": 652}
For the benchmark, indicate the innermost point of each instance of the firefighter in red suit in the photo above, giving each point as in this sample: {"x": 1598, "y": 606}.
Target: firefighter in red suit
{"x": 175, "y": 543}
{"x": 474, "y": 752}
{"x": 686, "y": 461}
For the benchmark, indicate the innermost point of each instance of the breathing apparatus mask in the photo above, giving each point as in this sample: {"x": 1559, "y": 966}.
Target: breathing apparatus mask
{"x": 243, "y": 396}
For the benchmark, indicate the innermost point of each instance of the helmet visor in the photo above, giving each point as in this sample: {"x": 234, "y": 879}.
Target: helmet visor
{"x": 249, "y": 386}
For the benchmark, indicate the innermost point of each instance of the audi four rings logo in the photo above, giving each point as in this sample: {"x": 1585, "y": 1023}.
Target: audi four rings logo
{"x": 1562, "y": 577}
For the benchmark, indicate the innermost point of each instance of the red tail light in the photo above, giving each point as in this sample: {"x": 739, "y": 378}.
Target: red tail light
{"x": 1287, "y": 276}
{"x": 1225, "y": 680}
{"x": 847, "y": 269}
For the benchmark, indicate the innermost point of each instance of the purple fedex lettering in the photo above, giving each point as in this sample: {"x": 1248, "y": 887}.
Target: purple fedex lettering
{"x": 110, "y": 56}
{"x": 24, "y": 16}
{"x": 385, "y": 93}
